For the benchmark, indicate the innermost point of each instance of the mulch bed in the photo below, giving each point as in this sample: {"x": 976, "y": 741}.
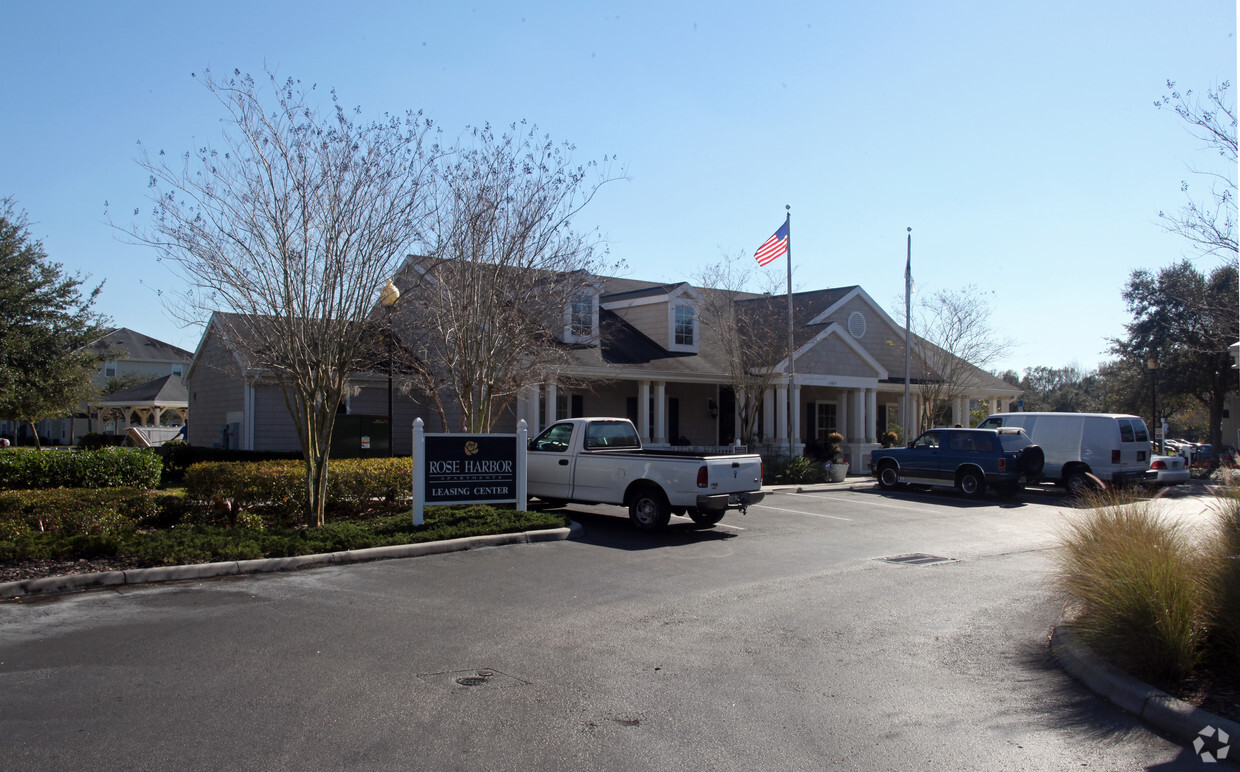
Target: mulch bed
{"x": 38, "y": 569}
{"x": 1214, "y": 689}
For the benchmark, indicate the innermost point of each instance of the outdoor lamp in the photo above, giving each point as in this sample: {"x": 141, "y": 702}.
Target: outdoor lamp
{"x": 388, "y": 297}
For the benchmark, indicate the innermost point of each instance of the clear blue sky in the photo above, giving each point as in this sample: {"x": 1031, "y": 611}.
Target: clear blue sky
{"x": 1019, "y": 141}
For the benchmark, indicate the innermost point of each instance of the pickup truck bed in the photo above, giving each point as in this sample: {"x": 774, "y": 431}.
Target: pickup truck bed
{"x": 601, "y": 461}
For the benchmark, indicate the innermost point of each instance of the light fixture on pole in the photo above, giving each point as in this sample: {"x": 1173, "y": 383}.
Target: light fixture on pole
{"x": 387, "y": 298}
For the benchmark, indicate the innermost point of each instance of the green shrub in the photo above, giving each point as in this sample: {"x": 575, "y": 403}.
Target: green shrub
{"x": 1141, "y": 586}
{"x": 105, "y": 468}
{"x": 95, "y": 441}
{"x": 278, "y": 488}
{"x": 200, "y": 543}
{"x": 795, "y": 470}
{"x": 74, "y": 511}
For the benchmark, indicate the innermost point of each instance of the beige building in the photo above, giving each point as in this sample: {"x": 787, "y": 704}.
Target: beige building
{"x": 643, "y": 351}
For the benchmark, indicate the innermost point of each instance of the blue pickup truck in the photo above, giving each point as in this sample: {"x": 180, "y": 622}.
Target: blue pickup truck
{"x": 969, "y": 460}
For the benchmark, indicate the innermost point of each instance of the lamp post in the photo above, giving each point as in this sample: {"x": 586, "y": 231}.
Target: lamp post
{"x": 1152, "y": 364}
{"x": 388, "y": 297}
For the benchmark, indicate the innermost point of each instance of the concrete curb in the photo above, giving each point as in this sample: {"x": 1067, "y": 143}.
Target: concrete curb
{"x": 51, "y": 585}
{"x": 1174, "y": 718}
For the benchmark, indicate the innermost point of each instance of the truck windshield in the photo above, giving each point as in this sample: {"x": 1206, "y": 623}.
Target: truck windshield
{"x": 611, "y": 434}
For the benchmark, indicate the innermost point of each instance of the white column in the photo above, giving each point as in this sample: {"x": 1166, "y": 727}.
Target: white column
{"x": 871, "y": 415}
{"x": 841, "y": 414}
{"x": 781, "y": 416}
{"x": 960, "y": 412}
{"x": 768, "y": 415}
{"x": 551, "y": 399}
{"x": 643, "y": 410}
{"x": 857, "y": 433}
{"x": 660, "y": 412}
{"x": 796, "y": 415}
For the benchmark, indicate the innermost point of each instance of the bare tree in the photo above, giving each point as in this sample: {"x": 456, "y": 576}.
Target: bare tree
{"x": 748, "y": 329}
{"x": 289, "y": 228}
{"x": 1209, "y": 222}
{"x": 958, "y": 345}
{"x": 494, "y": 308}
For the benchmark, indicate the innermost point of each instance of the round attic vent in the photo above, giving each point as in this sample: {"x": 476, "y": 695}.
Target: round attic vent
{"x": 856, "y": 324}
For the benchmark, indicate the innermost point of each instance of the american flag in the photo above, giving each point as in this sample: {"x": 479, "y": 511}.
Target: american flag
{"x": 775, "y": 246}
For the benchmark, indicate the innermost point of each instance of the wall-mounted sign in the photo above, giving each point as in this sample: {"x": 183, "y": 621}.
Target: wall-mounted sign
{"x": 467, "y": 468}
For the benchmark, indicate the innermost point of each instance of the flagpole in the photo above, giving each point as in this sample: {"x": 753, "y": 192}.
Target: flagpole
{"x": 908, "y": 291}
{"x": 792, "y": 370}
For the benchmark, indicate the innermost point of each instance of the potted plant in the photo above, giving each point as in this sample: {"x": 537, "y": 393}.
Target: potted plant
{"x": 837, "y": 470}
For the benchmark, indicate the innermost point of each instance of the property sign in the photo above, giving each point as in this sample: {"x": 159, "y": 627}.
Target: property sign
{"x": 467, "y": 469}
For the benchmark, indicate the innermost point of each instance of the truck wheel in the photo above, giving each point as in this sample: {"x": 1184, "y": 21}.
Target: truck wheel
{"x": 888, "y": 477}
{"x": 1078, "y": 481}
{"x": 706, "y": 518}
{"x": 971, "y": 484}
{"x": 648, "y": 509}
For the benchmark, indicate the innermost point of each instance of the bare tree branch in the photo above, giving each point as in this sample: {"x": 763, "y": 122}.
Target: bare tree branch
{"x": 289, "y": 228}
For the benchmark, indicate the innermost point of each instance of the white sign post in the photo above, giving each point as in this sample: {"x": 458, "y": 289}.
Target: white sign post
{"x": 468, "y": 468}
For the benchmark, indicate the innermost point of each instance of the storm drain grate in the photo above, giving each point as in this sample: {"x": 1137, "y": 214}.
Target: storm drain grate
{"x": 917, "y": 559}
{"x": 478, "y": 677}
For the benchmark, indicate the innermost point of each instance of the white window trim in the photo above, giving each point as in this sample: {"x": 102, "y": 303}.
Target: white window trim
{"x": 671, "y": 327}
{"x": 592, "y": 338}
{"x": 818, "y": 405}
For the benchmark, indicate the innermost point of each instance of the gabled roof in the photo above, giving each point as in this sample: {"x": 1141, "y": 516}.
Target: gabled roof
{"x": 168, "y": 390}
{"x": 139, "y": 347}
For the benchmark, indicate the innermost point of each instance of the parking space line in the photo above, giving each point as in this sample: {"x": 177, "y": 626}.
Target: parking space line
{"x": 869, "y": 503}
{"x": 717, "y": 525}
{"x": 799, "y": 512}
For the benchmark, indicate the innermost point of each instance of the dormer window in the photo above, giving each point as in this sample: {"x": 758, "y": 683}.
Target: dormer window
{"x": 581, "y": 319}
{"x": 684, "y": 327}
{"x": 582, "y": 323}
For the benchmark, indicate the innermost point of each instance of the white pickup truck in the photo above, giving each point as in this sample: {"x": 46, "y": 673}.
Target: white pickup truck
{"x": 601, "y": 461}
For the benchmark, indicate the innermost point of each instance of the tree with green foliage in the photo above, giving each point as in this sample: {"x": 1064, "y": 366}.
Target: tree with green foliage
{"x": 45, "y": 320}
{"x": 1184, "y": 321}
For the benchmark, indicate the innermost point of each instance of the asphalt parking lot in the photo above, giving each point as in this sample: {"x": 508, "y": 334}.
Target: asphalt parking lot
{"x": 789, "y": 638}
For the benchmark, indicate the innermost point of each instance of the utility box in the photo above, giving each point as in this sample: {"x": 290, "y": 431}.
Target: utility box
{"x": 360, "y": 436}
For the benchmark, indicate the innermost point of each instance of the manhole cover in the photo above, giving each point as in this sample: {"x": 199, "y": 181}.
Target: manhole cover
{"x": 472, "y": 681}
{"x": 478, "y": 677}
{"x": 917, "y": 559}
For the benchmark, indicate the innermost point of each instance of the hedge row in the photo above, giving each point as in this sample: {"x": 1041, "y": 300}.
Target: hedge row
{"x": 278, "y": 488}
{"x": 74, "y": 512}
{"x": 22, "y": 469}
{"x": 179, "y": 456}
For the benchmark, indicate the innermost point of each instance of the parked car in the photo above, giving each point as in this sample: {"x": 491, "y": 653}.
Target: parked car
{"x": 969, "y": 460}
{"x": 1167, "y": 470}
{"x": 1109, "y": 446}
{"x": 1228, "y": 457}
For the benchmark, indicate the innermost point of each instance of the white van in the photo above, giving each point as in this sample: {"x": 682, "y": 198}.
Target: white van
{"x": 1110, "y": 446}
